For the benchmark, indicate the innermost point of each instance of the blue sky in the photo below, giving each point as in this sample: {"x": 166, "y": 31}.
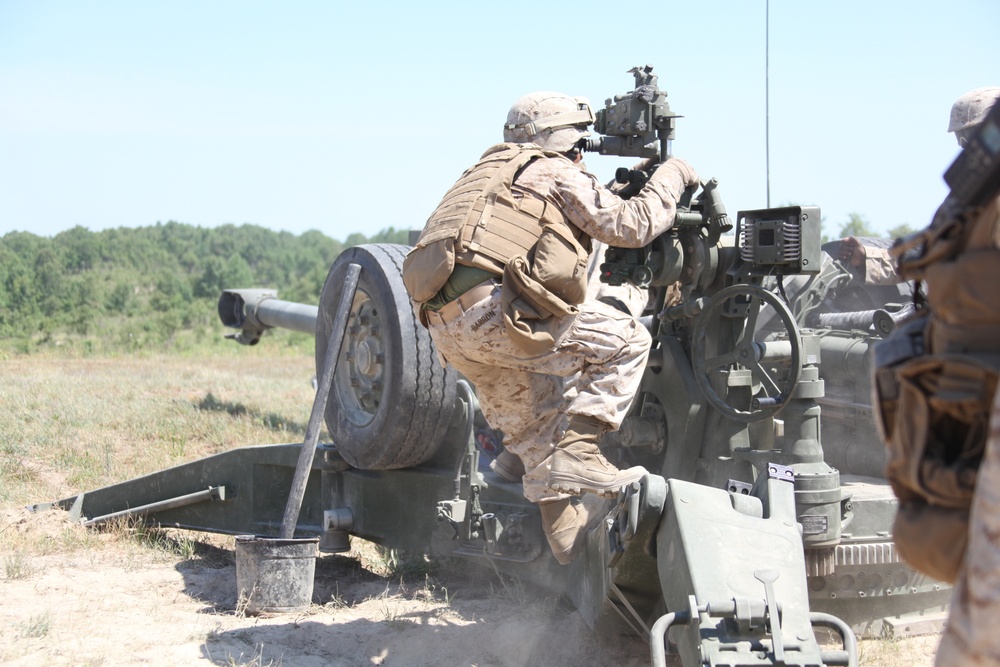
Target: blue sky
{"x": 354, "y": 117}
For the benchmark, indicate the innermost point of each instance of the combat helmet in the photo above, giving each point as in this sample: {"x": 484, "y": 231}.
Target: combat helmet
{"x": 970, "y": 109}
{"x": 554, "y": 121}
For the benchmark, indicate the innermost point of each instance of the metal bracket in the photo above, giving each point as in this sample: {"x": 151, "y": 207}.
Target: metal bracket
{"x": 742, "y": 488}
{"x": 626, "y": 520}
{"x": 468, "y": 480}
{"x": 778, "y": 471}
{"x": 492, "y": 530}
{"x": 622, "y": 605}
{"x": 452, "y": 511}
{"x": 636, "y": 515}
{"x": 211, "y": 493}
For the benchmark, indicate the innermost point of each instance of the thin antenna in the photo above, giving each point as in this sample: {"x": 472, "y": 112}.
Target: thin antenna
{"x": 767, "y": 97}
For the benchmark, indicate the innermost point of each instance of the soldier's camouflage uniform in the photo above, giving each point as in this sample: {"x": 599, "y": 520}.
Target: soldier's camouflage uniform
{"x": 972, "y": 635}
{"x": 597, "y": 362}
{"x": 867, "y": 258}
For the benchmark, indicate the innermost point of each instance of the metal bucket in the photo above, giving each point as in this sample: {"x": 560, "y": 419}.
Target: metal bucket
{"x": 275, "y": 575}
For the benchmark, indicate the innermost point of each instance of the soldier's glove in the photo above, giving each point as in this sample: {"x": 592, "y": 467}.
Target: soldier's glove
{"x": 677, "y": 175}
{"x": 686, "y": 170}
{"x": 646, "y": 165}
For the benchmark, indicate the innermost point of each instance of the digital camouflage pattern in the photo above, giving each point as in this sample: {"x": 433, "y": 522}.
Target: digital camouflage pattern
{"x": 970, "y": 109}
{"x": 876, "y": 265}
{"x": 554, "y": 121}
{"x": 596, "y": 363}
{"x": 971, "y": 638}
{"x": 594, "y": 370}
{"x": 602, "y": 214}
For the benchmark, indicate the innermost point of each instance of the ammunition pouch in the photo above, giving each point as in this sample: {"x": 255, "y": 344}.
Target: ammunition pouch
{"x": 559, "y": 262}
{"x": 933, "y": 413}
{"x": 543, "y": 287}
{"x": 531, "y": 312}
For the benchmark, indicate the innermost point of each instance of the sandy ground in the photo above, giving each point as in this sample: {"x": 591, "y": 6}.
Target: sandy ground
{"x": 71, "y": 596}
{"x": 118, "y": 602}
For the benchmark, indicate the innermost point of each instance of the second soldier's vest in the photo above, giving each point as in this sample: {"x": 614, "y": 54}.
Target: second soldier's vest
{"x": 961, "y": 268}
{"x": 934, "y": 383}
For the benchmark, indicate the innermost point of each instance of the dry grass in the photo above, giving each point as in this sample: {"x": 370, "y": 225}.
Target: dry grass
{"x": 898, "y": 652}
{"x": 70, "y": 425}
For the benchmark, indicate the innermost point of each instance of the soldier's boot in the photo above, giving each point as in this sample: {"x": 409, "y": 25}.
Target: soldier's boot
{"x": 577, "y": 465}
{"x": 567, "y": 521}
{"x": 508, "y": 466}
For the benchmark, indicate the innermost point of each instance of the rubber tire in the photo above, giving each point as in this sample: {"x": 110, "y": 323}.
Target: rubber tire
{"x": 396, "y": 412}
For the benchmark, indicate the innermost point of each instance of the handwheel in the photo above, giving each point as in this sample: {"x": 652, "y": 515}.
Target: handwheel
{"x": 739, "y": 306}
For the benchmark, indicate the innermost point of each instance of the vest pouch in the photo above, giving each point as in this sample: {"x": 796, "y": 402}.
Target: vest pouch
{"x": 931, "y": 539}
{"x": 941, "y": 427}
{"x": 906, "y": 342}
{"x": 531, "y": 312}
{"x": 936, "y": 444}
{"x": 427, "y": 268}
{"x": 559, "y": 263}
{"x": 964, "y": 294}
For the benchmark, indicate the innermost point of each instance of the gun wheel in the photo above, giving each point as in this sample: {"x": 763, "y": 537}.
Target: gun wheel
{"x": 390, "y": 401}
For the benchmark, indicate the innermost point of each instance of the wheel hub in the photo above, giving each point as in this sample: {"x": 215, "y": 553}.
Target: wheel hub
{"x": 362, "y": 369}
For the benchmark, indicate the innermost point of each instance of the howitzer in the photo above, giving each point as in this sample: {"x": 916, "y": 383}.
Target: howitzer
{"x": 755, "y": 525}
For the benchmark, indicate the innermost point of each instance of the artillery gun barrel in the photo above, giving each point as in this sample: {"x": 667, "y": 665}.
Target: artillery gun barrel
{"x": 255, "y": 310}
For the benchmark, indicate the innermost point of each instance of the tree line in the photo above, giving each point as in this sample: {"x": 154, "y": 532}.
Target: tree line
{"x": 134, "y": 287}
{"x": 857, "y": 225}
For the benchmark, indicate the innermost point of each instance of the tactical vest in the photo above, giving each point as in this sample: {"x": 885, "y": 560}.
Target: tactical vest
{"x": 934, "y": 381}
{"x": 485, "y": 221}
{"x": 961, "y": 268}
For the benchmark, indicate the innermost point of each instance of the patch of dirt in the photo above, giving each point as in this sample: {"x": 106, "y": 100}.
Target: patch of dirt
{"x": 119, "y": 603}
{"x": 115, "y": 601}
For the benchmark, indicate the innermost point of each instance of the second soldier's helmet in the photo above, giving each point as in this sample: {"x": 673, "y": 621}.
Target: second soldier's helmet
{"x": 554, "y": 121}
{"x": 970, "y": 109}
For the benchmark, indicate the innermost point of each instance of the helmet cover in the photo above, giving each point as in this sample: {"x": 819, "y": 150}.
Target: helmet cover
{"x": 553, "y": 121}
{"x": 971, "y": 108}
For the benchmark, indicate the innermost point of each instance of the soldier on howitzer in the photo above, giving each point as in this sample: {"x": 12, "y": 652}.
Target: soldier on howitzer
{"x": 872, "y": 262}
{"x": 499, "y": 277}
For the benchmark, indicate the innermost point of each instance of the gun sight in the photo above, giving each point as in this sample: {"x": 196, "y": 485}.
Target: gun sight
{"x": 636, "y": 124}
